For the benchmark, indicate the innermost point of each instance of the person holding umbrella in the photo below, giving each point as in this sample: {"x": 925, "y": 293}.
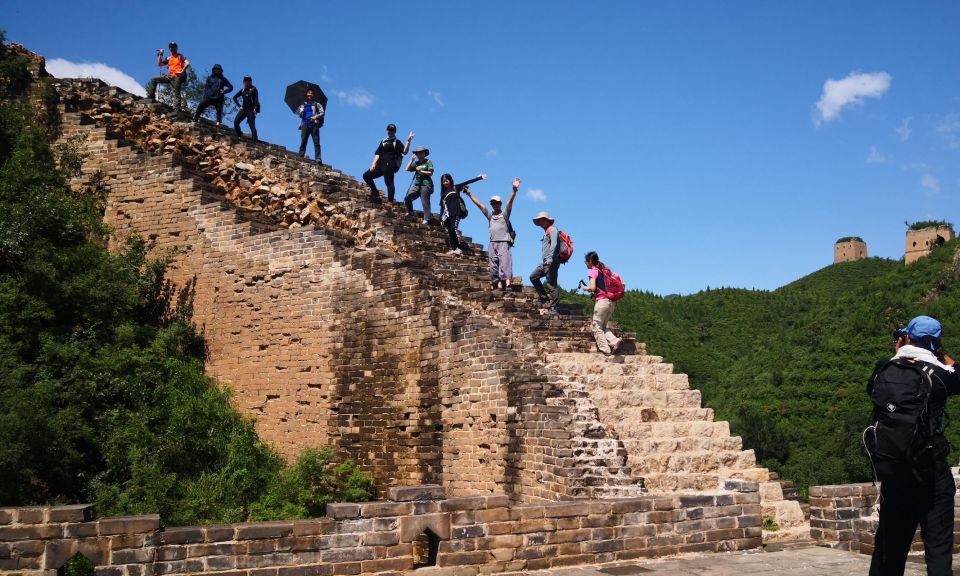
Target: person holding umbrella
{"x": 249, "y": 107}
{"x": 176, "y": 65}
{"x": 311, "y": 119}
{"x": 217, "y": 86}
{"x": 386, "y": 162}
{"x": 422, "y": 186}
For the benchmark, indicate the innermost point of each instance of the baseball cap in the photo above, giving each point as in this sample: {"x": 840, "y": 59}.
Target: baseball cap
{"x": 924, "y": 326}
{"x": 496, "y": 199}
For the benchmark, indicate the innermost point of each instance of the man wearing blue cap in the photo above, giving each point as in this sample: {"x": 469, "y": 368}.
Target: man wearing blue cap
{"x": 908, "y": 449}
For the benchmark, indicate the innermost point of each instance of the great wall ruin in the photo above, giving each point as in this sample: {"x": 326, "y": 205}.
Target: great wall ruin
{"x": 496, "y": 433}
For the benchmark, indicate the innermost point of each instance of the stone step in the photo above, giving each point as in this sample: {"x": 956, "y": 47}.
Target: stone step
{"x": 666, "y": 422}
{"x": 687, "y": 481}
{"x": 699, "y": 461}
{"x": 605, "y": 383}
{"x": 573, "y": 361}
{"x": 685, "y": 444}
{"x": 646, "y": 398}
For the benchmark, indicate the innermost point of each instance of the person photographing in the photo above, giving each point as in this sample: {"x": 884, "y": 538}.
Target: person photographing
{"x": 908, "y": 449}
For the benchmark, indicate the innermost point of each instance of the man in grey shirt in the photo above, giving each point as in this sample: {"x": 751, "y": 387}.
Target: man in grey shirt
{"x": 501, "y": 237}
{"x": 550, "y": 266}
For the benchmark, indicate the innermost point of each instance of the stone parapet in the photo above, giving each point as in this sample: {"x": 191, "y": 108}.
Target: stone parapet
{"x": 469, "y": 535}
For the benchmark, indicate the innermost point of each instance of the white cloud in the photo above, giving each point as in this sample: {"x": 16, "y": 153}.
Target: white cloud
{"x": 324, "y": 75}
{"x": 930, "y": 183}
{"x": 437, "y": 97}
{"x": 949, "y": 129}
{"x": 849, "y": 91}
{"x": 875, "y": 156}
{"x": 904, "y": 130}
{"x": 492, "y": 153}
{"x": 357, "y": 97}
{"x": 537, "y": 194}
{"x": 61, "y": 68}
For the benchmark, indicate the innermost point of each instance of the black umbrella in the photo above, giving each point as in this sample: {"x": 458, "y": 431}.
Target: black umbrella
{"x": 297, "y": 95}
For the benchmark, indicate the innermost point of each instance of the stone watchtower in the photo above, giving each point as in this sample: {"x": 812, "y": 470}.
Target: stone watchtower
{"x": 849, "y": 249}
{"x": 922, "y": 237}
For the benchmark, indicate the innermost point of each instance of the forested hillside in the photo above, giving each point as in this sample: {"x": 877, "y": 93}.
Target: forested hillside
{"x": 788, "y": 368}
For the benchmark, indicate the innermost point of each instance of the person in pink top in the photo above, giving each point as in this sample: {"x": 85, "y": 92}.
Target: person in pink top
{"x": 607, "y": 341}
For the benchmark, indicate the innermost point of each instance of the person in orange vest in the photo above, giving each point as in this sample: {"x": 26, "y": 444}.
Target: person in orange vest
{"x": 176, "y": 65}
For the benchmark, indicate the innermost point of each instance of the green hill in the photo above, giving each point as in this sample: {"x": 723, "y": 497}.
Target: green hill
{"x": 788, "y": 367}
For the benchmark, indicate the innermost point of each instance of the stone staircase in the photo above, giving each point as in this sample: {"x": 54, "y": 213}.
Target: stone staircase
{"x": 623, "y": 425}
{"x": 670, "y": 439}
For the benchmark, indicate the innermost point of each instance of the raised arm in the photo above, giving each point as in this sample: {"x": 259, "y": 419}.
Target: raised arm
{"x": 513, "y": 196}
{"x": 406, "y": 147}
{"x": 410, "y": 167}
{"x": 474, "y": 200}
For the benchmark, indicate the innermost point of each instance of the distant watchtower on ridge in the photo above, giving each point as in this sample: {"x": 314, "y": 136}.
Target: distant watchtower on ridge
{"x": 922, "y": 237}
{"x": 848, "y": 249}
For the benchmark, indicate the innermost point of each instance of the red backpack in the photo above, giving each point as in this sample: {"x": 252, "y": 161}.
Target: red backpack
{"x": 566, "y": 247}
{"x": 613, "y": 284}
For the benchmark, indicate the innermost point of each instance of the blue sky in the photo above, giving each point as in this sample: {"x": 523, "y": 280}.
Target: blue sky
{"x": 681, "y": 140}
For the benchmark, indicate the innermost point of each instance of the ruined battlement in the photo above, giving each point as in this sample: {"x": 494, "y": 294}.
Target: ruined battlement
{"x": 921, "y": 242}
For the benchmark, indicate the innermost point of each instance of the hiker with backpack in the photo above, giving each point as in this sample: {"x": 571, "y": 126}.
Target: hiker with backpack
{"x": 908, "y": 449}
{"x": 214, "y": 93}
{"x": 502, "y": 236}
{"x": 607, "y": 288}
{"x": 452, "y": 209}
{"x": 386, "y": 162}
{"x": 555, "y": 249}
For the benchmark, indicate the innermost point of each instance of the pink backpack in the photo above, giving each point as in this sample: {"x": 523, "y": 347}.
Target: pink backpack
{"x": 613, "y": 283}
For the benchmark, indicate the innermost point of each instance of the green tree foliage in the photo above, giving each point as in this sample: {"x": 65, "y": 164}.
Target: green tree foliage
{"x": 102, "y": 392}
{"x": 788, "y": 368}
{"x": 931, "y": 224}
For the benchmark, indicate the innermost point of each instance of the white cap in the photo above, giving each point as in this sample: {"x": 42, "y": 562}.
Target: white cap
{"x": 496, "y": 199}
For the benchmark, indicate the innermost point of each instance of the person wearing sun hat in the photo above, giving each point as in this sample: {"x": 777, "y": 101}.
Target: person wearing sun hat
{"x": 549, "y": 265}
{"x": 918, "y": 489}
{"x": 422, "y": 186}
{"x": 501, "y": 236}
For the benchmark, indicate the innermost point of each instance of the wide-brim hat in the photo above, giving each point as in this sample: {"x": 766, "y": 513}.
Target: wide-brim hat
{"x": 543, "y": 216}
{"x": 422, "y": 149}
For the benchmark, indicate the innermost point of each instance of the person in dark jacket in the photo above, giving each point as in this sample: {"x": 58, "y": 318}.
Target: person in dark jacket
{"x": 213, "y": 93}
{"x": 247, "y": 100}
{"x": 450, "y": 208}
{"x": 922, "y": 493}
{"x": 386, "y": 162}
{"x": 311, "y": 119}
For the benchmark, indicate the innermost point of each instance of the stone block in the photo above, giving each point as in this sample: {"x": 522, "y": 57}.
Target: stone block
{"x": 416, "y": 493}
{"x": 74, "y": 513}
{"x": 186, "y": 535}
{"x": 343, "y": 511}
{"x": 129, "y": 524}
{"x": 261, "y": 530}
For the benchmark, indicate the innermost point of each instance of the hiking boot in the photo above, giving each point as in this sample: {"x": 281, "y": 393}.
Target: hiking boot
{"x": 455, "y": 252}
{"x": 551, "y": 311}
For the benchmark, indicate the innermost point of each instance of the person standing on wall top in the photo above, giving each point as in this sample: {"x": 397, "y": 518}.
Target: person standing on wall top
{"x": 549, "y": 265}
{"x": 501, "y": 236}
{"x": 604, "y": 302}
{"x": 909, "y": 451}
{"x": 311, "y": 119}
{"x": 450, "y": 212}
{"x": 386, "y": 162}
{"x": 176, "y": 65}
{"x": 248, "y": 100}
{"x": 213, "y": 94}
{"x": 422, "y": 186}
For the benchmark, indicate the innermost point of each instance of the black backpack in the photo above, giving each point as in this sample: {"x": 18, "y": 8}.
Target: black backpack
{"x": 901, "y": 432}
